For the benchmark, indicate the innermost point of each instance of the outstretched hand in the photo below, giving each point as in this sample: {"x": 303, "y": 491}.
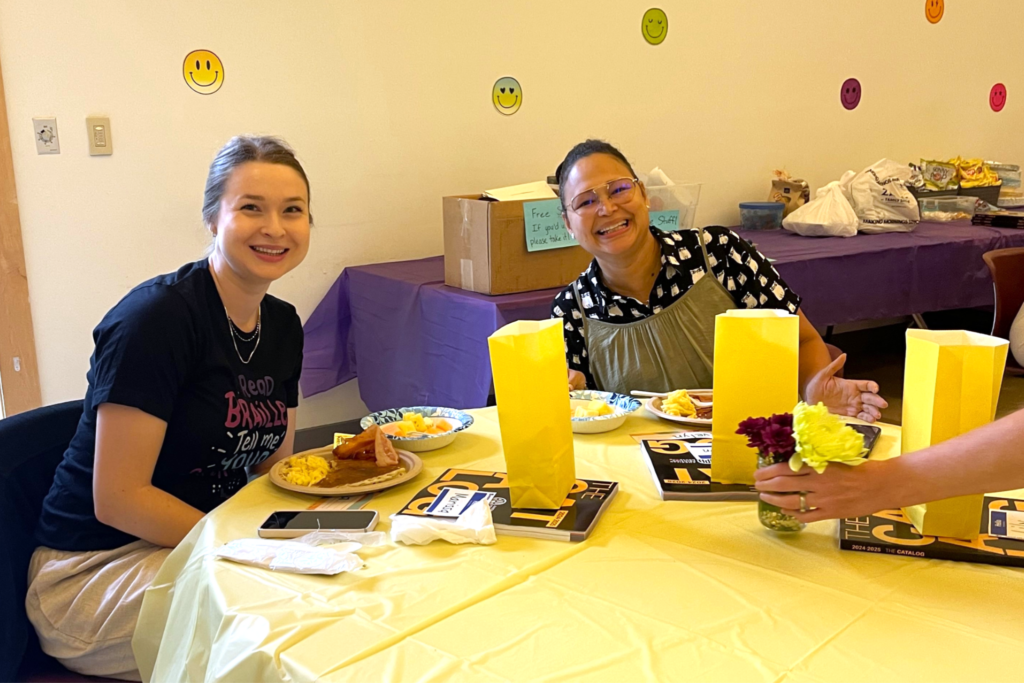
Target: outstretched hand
{"x": 851, "y": 397}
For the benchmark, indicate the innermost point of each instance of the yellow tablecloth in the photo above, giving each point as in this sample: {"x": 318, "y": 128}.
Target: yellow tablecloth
{"x": 664, "y": 591}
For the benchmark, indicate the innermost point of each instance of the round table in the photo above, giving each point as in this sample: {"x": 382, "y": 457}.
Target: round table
{"x": 674, "y": 591}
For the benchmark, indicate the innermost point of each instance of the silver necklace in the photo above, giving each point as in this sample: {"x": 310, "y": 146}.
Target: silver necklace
{"x": 235, "y": 333}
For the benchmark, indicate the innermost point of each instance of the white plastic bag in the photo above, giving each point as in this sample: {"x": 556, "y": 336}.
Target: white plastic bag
{"x": 828, "y": 215}
{"x": 881, "y": 199}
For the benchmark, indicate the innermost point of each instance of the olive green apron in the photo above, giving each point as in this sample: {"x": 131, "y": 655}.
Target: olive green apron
{"x": 671, "y": 350}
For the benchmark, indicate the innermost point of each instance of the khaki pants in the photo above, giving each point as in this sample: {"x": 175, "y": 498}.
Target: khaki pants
{"x": 84, "y": 605}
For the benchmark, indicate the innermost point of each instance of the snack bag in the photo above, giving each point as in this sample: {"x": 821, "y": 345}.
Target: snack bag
{"x": 951, "y": 386}
{"x": 881, "y": 199}
{"x": 974, "y": 173}
{"x": 939, "y": 175}
{"x": 793, "y": 192}
{"x": 528, "y": 364}
{"x": 756, "y": 374}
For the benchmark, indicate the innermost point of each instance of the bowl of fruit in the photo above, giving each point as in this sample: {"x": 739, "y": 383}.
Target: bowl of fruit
{"x": 419, "y": 428}
{"x": 594, "y": 412}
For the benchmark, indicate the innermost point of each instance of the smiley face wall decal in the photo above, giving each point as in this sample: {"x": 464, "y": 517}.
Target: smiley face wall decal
{"x": 849, "y": 94}
{"x": 654, "y": 26}
{"x": 997, "y": 97}
{"x": 934, "y": 9}
{"x": 507, "y": 95}
{"x": 203, "y": 72}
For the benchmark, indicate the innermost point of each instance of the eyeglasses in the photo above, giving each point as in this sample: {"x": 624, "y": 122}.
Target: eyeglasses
{"x": 618, "y": 192}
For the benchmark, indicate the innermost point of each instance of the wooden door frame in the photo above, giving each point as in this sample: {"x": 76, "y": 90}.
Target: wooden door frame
{"x": 19, "y": 388}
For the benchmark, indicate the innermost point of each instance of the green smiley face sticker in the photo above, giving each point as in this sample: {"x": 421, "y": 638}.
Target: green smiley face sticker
{"x": 654, "y": 26}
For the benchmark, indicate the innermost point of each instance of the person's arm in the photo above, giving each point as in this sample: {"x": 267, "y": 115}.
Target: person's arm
{"x": 285, "y": 450}
{"x": 753, "y": 282}
{"x": 575, "y": 345}
{"x": 984, "y": 460}
{"x": 851, "y": 397}
{"x": 128, "y": 443}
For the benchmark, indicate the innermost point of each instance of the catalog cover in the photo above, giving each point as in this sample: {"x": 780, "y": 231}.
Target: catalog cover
{"x": 681, "y": 468}
{"x": 579, "y": 514}
{"x": 890, "y": 533}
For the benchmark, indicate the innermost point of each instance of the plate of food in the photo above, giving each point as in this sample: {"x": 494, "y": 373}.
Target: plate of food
{"x": 687, "y": 406}
{"x": 362, "y": 464}
{"x": 419, "y": 428}
{"x": 594, "y": 412}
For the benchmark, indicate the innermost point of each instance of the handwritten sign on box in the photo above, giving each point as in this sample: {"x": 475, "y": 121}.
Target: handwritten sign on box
{"x": 544, "y": 226}
{"x": 666, "y": 221}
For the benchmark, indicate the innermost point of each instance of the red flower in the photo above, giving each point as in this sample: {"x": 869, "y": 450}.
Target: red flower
{"x": 772, "y": 435}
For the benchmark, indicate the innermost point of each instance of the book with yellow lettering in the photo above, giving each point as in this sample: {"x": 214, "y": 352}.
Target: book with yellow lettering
{"x": 890, "y": 532}
{"x": 681, "y": 468}
{"x": 573, "y": 521}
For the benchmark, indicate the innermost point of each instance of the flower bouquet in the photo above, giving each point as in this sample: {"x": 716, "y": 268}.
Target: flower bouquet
{"x": 810, "y": 435}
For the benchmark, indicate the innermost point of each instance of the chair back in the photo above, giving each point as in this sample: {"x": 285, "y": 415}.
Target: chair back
{"x": 1007, "y": 268}
{"x": 32, "y": 445}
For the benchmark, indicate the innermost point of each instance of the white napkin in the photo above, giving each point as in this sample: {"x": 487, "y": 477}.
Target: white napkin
{"x": 472, "y": 526}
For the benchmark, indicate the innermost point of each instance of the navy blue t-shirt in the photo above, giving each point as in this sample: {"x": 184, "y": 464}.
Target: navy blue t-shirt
{"x": 166, "y": 349}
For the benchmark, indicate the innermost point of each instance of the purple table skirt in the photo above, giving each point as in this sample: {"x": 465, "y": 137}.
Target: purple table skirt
{"x": 415, "y": 341}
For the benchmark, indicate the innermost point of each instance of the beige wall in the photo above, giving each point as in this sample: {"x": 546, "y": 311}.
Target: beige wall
{"x": 388, "y": 105}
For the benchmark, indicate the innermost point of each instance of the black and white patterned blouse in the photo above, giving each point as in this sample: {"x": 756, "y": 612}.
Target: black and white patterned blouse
{"x": 744, "y": 271}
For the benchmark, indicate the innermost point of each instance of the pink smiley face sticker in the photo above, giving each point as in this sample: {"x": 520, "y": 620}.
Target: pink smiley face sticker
{"x": 997, "y": 97}
{"x": 849, "y": 94}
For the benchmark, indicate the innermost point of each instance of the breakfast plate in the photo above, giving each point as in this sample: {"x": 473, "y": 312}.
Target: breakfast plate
{"x": 654, "y": 406}
{"x": 409, "y": 461}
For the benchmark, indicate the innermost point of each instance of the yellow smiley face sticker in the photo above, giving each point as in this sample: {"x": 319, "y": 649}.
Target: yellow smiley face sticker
{"x": 203, "y": 72}
{"x": 507, "y": 95}
{"x": 654, "y": 26}
{"x": 934, "y": 9}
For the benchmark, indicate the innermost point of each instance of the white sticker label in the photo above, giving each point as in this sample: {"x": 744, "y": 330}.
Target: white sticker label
{"x": 1006, "y": 523}
{"x": 453, "y": 502}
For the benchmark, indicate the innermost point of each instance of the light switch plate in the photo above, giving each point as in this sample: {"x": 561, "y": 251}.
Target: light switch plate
{"x": 100, "y": 140}
{"x": 45, "y": 133}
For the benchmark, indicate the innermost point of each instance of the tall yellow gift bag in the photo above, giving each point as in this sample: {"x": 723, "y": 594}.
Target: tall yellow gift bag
{"x": 757, "y": 374}
{"x": 528, "y": 364}
{"x": 950, "y": 386}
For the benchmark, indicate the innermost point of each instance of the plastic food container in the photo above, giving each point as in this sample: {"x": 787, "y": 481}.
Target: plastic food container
{"x": 761, "y": 215}
{"x": 946, "y": 209}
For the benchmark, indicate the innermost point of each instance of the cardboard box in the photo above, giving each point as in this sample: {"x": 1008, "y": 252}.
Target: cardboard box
{"x": 485, "y": 250}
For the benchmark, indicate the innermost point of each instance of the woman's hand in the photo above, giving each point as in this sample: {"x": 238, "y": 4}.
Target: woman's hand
{"x": 840, "y": 491}
{"x": 577, "y": 380}
{"x": 851, "y": 397}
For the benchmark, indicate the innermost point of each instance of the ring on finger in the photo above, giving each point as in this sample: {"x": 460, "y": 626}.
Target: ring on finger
{"x": 803, "y": 501}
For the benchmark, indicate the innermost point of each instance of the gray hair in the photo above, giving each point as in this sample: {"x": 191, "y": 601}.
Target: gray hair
{"x": 242, "y": 149}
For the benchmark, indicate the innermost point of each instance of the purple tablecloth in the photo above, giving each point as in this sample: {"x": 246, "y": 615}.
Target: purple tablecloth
{"x": 415, "y": 341}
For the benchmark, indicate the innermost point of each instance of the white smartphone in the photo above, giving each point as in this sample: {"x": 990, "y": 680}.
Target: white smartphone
{"x": 294, "y": 523}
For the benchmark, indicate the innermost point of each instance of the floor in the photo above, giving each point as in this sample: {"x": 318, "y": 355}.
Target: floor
{"x": 876, "y": 354}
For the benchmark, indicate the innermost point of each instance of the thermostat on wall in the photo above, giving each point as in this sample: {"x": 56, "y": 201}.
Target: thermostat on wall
{"x": 100, "y": 142}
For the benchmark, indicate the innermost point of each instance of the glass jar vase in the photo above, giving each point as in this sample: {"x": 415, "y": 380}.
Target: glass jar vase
{"x": 770, "y": 515}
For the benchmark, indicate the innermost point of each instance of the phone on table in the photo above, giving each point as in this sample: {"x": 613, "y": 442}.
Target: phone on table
{"x": 295, "y": 523}
{"x": 870, "y": 434}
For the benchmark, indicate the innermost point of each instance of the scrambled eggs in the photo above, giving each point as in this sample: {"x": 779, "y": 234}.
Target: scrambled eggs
{"x": 678, "y": 403}
{"x": 305, "y": 470}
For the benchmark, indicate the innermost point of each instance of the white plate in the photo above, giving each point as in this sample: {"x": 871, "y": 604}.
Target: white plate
{"x": 421, "y": 443}
{"x": 412, "y": 463}
{"x": 653, "y": 406}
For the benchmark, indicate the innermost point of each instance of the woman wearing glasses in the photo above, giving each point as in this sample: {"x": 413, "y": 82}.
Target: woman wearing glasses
{"x": 642, "y": 316}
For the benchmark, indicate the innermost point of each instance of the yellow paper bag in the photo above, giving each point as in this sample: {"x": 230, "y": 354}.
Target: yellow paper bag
{"x": 528, "y": 364}
{"x": 757, "y": 373}
{"x": 950, "y": 386}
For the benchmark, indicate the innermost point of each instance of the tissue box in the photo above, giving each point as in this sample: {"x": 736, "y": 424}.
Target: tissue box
{"x": 485, "y": 249}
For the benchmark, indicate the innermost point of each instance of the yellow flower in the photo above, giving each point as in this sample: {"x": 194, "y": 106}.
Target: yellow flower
{"x": 821, "y": 438}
